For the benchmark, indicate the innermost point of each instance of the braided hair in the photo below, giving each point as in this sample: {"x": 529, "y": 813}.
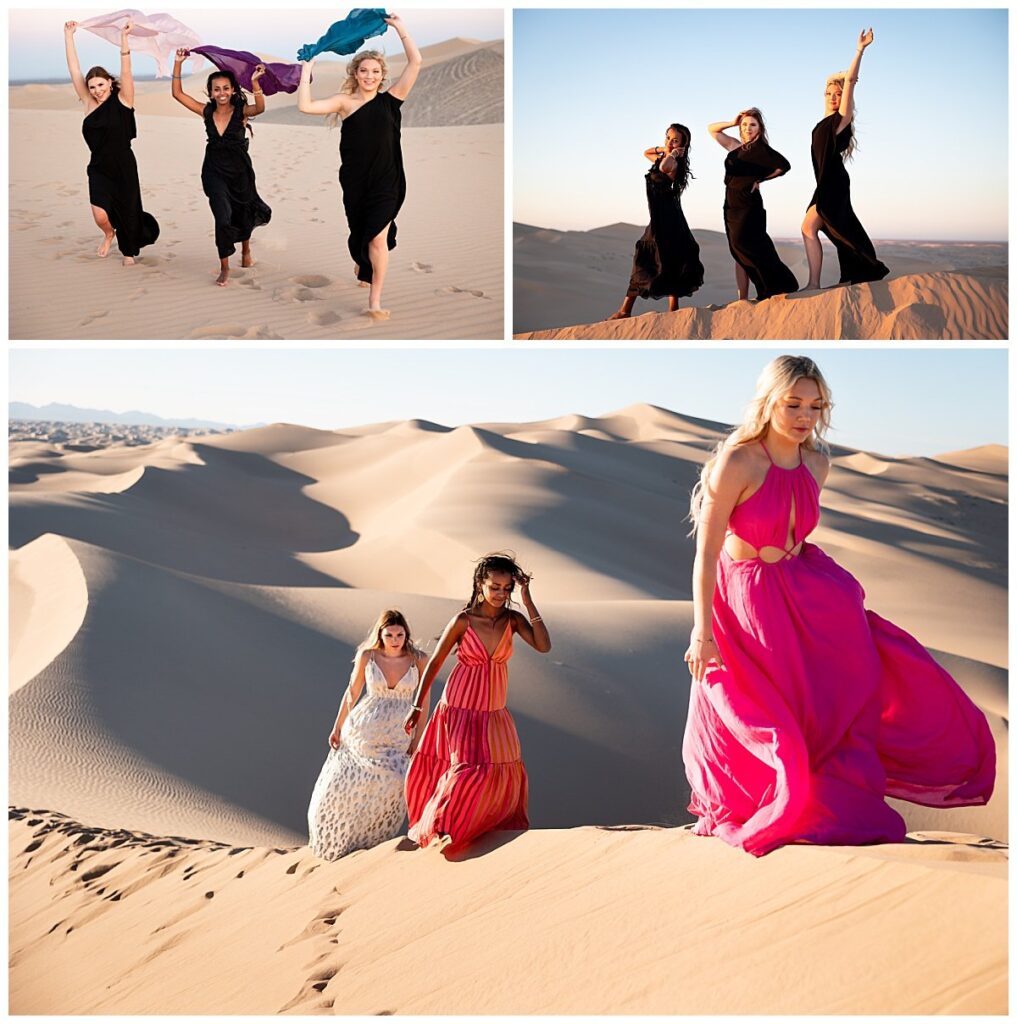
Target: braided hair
{"x": 497, "y": 561}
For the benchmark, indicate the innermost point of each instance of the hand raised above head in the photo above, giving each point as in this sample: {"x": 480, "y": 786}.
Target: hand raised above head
{"x": 183, "y": 53}
{"x": 865, "y": 37}
{"x": 258, "y": 72}
{"x": 70, "y": 27}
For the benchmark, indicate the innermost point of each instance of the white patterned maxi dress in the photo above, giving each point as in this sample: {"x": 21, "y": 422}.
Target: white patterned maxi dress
{"x": 358, "y": 800}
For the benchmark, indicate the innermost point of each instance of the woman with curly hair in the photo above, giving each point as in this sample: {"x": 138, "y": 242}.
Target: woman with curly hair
{"x": 467, "y": 776}
{"x": 370, "y": 155}
{"x": 109, "y": 126}
{"x": 357, "y": 801}
{"x": 227, "y": 174}
{"x": 830, "y": 209}
{"x": 749, "y": 162}
{"x": 806, "y": 710}
{"x": 666, "y": 261}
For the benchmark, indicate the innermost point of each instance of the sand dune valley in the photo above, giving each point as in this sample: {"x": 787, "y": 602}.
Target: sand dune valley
{"x": 445, "y": 277}
{"x": 183, "y": 615}
{"x": 567, "y": 282}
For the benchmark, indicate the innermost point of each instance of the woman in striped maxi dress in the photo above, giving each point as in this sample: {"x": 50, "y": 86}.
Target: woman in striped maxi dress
{"x": 467, "y": 776}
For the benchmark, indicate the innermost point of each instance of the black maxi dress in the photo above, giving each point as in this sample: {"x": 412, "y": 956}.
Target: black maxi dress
{"x": 227, "y": 176}
{"x": 832, "y": 200}
{"x": 113, "y": 174}
{"x": 666, "y": 260}
{"x": 745, "y": 218}
{"x": 371, "y": 175}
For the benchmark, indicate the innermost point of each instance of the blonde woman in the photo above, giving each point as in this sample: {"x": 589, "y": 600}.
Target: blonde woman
{"x": 370, "y": 155}
{"x": 806, "y": 710}
{"x": 357, "y": 801}
{"x": 830, "y": 209}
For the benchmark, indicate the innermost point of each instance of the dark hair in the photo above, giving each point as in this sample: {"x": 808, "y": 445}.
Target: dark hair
{"x": 101, "y": 72}
{"x": 758, "y": 115}
{"x": 239, "y": 97}
{"x": 497, "y": 561}
{"x": 684, "y": 169}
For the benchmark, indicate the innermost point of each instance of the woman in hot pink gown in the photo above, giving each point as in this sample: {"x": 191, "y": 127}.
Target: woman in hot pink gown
{"x": 467, "y": 776}
{"x": 806, "y": 710}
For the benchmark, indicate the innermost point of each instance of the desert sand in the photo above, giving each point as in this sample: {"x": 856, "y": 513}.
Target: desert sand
{"x": 445, "y": 276}
{"x": 183, "y": 618}
{"x": 566, "y": 282}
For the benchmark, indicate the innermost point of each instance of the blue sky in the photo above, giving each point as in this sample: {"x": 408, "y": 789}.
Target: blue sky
{"x": 594, "y": 88}
{"x": 37, "y": 46}
{"x": 911, "y": 402}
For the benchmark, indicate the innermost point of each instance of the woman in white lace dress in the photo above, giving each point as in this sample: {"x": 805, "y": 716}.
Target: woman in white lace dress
{"x": 358, "y": 800}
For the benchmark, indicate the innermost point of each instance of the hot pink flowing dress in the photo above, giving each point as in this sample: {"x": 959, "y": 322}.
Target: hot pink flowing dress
{"x": 823, "y": 709}
{"x": 467, "y": 776}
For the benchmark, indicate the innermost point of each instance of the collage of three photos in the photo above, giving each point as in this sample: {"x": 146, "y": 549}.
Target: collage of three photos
{"x": 505, "y": 494}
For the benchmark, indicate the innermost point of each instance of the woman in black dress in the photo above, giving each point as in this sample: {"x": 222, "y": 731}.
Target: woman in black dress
{"x": 113, "y": 188}
{"x": 666, "y": 260}
{"x": 830, "y": 207}
{"x": 227, "y": 174}
{"x": 749, "y": 162}
{"x": 370, "y": 156}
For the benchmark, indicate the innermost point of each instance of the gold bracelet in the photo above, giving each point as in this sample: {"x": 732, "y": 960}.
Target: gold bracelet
{"x": 125, "y": 53}
{"x": 536, "y": 618}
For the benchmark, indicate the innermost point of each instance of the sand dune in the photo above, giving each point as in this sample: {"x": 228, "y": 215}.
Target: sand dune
{"x": 180, "y": 645}
{"x": 915, "y": 928}
{"x": 445, "y": 278}
{"x": 566, "y": 282}
{"x": 269, "y": 550}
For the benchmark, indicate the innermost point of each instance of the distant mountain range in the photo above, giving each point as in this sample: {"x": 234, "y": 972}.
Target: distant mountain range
{"x": 60, "y": 413}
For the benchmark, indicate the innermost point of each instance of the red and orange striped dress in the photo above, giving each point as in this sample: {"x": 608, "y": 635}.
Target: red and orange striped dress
{"x": 467, "y": 776}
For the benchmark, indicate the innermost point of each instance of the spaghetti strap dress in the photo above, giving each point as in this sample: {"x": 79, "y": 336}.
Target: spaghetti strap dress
{"x": 371, "y": 175}
{"x": 227, "y": 176}
{"x": 823, "y": 709}
{"x": 467, "y": 775}
{"x": 666, "y": 260}
{"x": 113, "y": 183}
{"x": 832, "y": 200}
{"x": 357, "y": 801}
{"x": 745, "y": 218}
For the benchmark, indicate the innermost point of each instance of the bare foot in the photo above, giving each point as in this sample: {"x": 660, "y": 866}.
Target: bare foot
{"x": 224, "y": 277}
{"x": 377, "y": 314}
{"x": 439, "y": 842}
{"x": 104, "y": 246}
{"x": 127, "y": 261}
{"x": 247, "y": 260}
{"x": 619, "y": 315}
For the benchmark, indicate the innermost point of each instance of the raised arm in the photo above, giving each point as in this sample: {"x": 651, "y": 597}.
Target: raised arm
{"x": 77, "y": 79}
{"x": 177, "y": 82}
{"x": 333, "y": 105}
{"x": 402, "y": 85}
{"x": 452, "y": 635}
{"x": 533, "y": 631}
{"x": 848, "y": 92}
{"x": 353, "y": 691}
{"x": 717, "y": 130}
{"x": 652, "y": 153}
{"x": 126, "y": 75}
{"x": 258, "y": 106}
{"x": 728, "y": 479}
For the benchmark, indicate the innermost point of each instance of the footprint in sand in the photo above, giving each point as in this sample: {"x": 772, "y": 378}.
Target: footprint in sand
{"x": 231, "y": 332}
{"x": 312, "y": 280}
{"x": 453, "y": 290}
{"x": 93, "y": 316}
{"x": 422, "y": 268}
{"x": 324, "y": 317}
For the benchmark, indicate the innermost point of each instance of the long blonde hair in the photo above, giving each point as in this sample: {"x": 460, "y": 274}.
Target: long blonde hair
{"x": 778, "y": 377}
{"x": 374, "y": 642}
{"x": 840, "y": 78}
{"x": 349, "y": 86}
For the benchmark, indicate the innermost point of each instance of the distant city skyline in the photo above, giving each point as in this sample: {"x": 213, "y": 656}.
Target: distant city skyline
{"x": 594, "y": 88}
{"x": 36, "y": 49}
{"x": 894, "y": 402}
